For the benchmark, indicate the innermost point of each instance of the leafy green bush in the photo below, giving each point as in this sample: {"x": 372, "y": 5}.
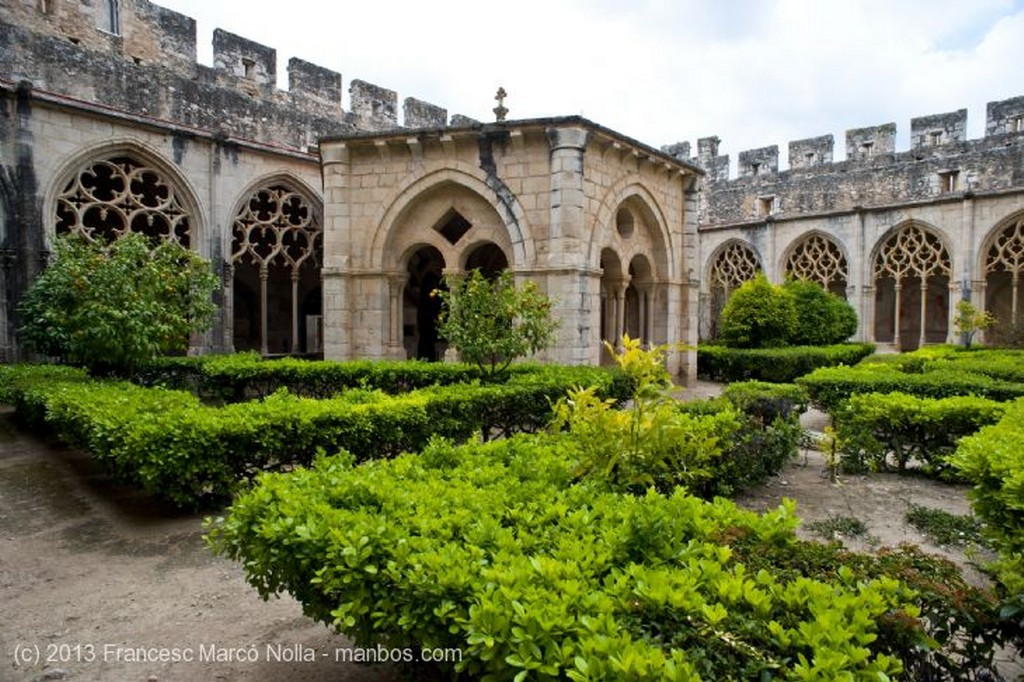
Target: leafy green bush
{"x": 492, "y": 322}
{"x": 823, "y": 318}
{"x": 492, "y": 549}
{"x": 113, "y": 307}
{"x": 877, "y": 429}
{"x": 758, "y": 315}
{"x": 650, "y": 443}
{"x": 777, "y": 365}
{"x": 993, "y": 459}
{"x": 768, "y": 435}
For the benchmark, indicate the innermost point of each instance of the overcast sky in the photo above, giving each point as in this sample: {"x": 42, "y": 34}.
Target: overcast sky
{"x": 752, "y": 72}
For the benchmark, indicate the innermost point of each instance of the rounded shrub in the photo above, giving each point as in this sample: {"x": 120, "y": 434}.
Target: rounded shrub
{"x": 758, "y": 315}
{"x": 823, "y": 318}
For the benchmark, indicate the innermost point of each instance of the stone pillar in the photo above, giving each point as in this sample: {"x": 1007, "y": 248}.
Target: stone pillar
{"x": 396, "y": 290}
{"x": 337, "y": 258}
{"x": 567, "y": 274}
{"x": 227, "y": 341}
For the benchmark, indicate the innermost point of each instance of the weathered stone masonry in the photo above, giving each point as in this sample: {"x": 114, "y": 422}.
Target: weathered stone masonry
{"x": 887, "y": 229}
{"x": 332, "y": 227}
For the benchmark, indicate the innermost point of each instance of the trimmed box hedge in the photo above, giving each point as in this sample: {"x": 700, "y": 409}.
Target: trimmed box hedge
{"x": 244, "y": 376}
{"x": 828, "y": 387}
{"x": 880, "y": 431}
{"x": 496, "y": 550}
{"x": 169, "y": 444}
{"x": 775, "y": 365}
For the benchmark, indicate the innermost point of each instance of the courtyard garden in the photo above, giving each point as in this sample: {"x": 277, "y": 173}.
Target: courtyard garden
{"x": 582, "y": 523}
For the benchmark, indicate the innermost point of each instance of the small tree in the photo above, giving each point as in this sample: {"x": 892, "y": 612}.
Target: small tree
{"x": 822, "y": 317}
{"x": 758, "y": 315}
{"x": 969, "y": 321}
{"x": 493, "y": 322}
{"x": 112, "y": 307}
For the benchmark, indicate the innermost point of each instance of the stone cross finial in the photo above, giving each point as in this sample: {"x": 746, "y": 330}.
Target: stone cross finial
{"x": 500, "y": 111}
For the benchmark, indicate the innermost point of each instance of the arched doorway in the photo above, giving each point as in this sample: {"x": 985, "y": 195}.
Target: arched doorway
{"x": 911, "y": 275}
{"x": 613, "y": 304}
{"x": 421, "y": 305}
{"x": 276, "y": 252}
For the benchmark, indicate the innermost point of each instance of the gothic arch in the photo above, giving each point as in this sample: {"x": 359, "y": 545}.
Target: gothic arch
{"x": 422, "y": 271}
{"x": 818, "y": 257}
{"x": 275, "y": 259}
{"x": 911, "y": 270}
{"x": 515, "y": 234}
{"x": 68, "y": 201}
{"x": 1002, "y": 265}
{"x": 633, "y": 196}
{"x": 731, "y": 264}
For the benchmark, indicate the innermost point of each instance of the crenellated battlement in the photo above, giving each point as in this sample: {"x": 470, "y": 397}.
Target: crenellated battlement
{"x": 141, "y": 58}
{"x": 940, "y": 161}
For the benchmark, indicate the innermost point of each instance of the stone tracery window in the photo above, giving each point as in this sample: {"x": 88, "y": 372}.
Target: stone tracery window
{"x": 734, "y": 265}
{"x": 1004, "y": 264}
{"x": 912, "y": 268}
{"x": 276, "y": 239}
{"x": 113, "y": 197}
{"x": 819, "y": 259}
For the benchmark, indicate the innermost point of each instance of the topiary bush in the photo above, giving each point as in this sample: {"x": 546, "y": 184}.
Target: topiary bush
{"x": 758, "y": 315}
{"x": 823, "y": 319}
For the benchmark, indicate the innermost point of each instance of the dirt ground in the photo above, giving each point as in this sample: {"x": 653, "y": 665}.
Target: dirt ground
{"x": 93, "y": 578}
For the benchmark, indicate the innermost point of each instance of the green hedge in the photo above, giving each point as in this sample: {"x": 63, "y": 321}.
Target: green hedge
{"x": 830, "y": 386}
{"x": 243, "y": 376}
{"x": 493, "y": 550}
{"x": 169, "y": 444}
{"x": 776, "y": 365}
{"x": 766, "y": 440}
{"x": 880, "y": 431}
{"x": 993, "y": 459}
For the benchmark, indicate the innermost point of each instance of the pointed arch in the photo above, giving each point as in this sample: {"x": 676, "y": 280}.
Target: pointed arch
{"x": 818, "y": 257}
{"x": 275, "y": 260}
{"x": 121, "y": 186}
{"x": 911, "y": 269}
{"x": 505, "y": 223}
{"x": 1002, "y": 265}
{"x": 731, "y": 264}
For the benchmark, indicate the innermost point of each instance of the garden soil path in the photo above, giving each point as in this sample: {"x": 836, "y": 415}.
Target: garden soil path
{"x": 89, "y": 571}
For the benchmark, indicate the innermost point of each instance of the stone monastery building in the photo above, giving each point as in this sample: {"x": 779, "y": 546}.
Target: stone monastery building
{"x": 330, "y": 228}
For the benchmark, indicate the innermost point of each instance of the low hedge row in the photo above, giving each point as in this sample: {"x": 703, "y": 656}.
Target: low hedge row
{"x": 828, "y": 387}
{"x": 776, "y": 365}
{"x": 767, "y": 438}
{"x": 243, "y": 376}
{"x": 993, "y": 459}
{"x": 169, "y": 444}
{"x": 493, "y": 549}
{"x": 881, "y": 431}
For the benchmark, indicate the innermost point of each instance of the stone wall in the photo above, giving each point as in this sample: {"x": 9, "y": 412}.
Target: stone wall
{"x": 941, "y": 160}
